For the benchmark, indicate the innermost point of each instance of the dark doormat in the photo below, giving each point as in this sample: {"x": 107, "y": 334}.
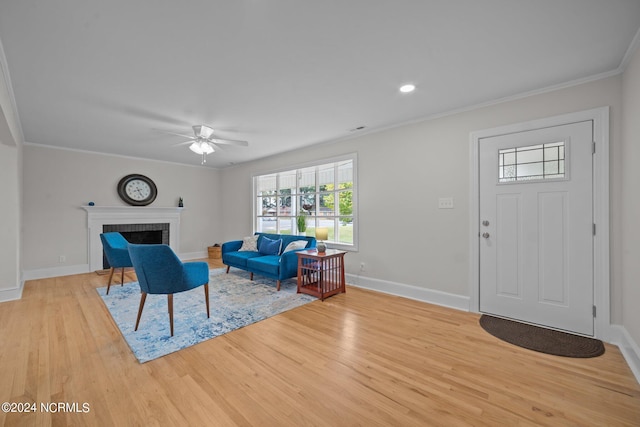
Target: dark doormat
{"x": 541, "y": 339}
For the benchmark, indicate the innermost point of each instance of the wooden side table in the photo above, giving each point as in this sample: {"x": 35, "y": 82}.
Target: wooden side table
{"x": 321, "y": 274}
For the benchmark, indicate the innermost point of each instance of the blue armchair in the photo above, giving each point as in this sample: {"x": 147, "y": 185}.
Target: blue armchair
{"x": 160, "y": 271}
{"x": 115, "y": 249}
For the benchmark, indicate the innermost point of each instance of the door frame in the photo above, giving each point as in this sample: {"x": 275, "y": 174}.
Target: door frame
{"x": 601, "y": 281}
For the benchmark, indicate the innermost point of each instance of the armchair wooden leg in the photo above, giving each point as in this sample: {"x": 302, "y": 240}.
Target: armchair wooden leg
{"x": 206, "y": 297}
{"x": 122, "y": 277}
{"x": 251, "y": 277}
{"x": 228, "y": 267}
{"x": 278, "y": 285}
{"x": 143, "y": 298}
{"x": 110, "y": 277}
{"x": 170, "y": 303}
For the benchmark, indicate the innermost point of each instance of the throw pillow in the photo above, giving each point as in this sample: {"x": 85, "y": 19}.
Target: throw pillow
{"x": 249, "y": 244}
{"x": 295, "y": 245}
{"x": 269, "y": 246}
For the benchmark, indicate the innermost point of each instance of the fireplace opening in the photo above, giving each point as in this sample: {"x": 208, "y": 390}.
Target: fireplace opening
{"x": 139, "y": 234}
{"x": 143, "y": 236}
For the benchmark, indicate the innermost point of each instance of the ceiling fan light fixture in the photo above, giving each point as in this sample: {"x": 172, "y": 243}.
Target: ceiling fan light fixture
{"x": 201, "y": 147}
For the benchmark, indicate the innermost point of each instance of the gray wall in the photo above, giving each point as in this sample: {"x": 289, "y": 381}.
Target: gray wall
{"x": 57, "y": 182}
{"x": 10, "y": 192}
{"x": 630, "y": 209}
{"x": 404, "y": 237}
{"x": 10, "y": 223}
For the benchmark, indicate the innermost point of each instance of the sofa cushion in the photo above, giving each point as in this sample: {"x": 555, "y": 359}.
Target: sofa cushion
{"x": 268, "y": 246}
{"x": 288, "y": 239}
{"x": 268, "y": 264}
{"x": 239, "y": 258}
{"x": 295, "y": 245}
{"x": 250, "y": 243}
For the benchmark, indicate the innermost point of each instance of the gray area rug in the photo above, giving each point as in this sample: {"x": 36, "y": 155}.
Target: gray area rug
{"x": 235, "y": 302}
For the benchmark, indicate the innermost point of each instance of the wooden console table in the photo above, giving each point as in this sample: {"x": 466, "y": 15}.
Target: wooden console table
{"x": 321, "y": 274}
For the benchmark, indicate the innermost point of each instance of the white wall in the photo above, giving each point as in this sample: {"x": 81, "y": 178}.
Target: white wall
{"x": 9, "y": 223}
{"x": 10, "y": 189}
{"x": 57, "y": 182}
{"x": 630, "y": 253}
{"x": 404, "y": 237}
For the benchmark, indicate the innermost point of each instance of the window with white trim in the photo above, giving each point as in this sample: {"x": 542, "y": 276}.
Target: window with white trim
{"x": 298, "y": 201}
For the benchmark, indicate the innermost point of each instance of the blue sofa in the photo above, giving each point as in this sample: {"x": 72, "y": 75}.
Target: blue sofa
{"x": 278, "y": 266}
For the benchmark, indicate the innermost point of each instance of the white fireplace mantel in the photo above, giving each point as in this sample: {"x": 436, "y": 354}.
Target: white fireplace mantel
{"x": 97, "y": 216}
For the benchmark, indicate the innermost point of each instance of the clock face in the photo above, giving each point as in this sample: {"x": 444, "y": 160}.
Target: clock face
{"x": 137, "y": 190}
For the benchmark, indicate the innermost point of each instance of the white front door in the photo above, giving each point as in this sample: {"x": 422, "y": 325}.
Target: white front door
{"x": 536, "y": 226}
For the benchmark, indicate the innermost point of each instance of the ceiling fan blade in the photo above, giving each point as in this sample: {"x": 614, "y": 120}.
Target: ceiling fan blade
{"x": 184, "y": 143}
{"x": 150, "y": 115}
{"x": 230, "y": 142}
{"x": 133, "y": 111}
{"x": 176, "y": 134}
{"x": 216, "y": 146}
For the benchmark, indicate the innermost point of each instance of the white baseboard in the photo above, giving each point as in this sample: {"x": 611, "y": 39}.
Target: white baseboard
{"x": 12, "y": 293}
{"x": 628, "y": 347}
{"x": 445, "y": 299}
{"x": 45, "y": 273}
{"x": 193, "y": 255}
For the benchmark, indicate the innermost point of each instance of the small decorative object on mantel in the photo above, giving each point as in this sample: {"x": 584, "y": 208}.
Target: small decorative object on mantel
{"x": 91, "y": 204}
{"x": 215, "y": 251}
{"x": 180, "y": 203}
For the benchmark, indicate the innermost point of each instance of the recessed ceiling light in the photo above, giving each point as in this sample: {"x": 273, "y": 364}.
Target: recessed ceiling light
{"x": 407, "y": 88}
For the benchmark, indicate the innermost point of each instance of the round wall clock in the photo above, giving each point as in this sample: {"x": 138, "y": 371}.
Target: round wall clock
{"x": 137, "y": 190}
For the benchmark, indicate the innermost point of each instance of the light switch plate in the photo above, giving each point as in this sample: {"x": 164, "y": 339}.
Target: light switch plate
{"x": 445, "y": 203}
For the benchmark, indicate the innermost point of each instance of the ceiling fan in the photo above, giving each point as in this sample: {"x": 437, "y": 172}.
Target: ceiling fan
{"x": 204, "y": 142}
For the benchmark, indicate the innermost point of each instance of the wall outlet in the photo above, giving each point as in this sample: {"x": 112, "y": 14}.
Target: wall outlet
{"x": 62, "y": 259}
{"x": 362, "y": 266}
{"x": 445, "y": 203}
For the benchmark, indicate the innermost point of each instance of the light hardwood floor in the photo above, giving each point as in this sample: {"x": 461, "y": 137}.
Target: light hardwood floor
{"x": 360, "y": 358}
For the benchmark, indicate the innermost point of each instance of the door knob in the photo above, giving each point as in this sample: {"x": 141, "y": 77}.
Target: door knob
{"x": 485, "y": 235}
